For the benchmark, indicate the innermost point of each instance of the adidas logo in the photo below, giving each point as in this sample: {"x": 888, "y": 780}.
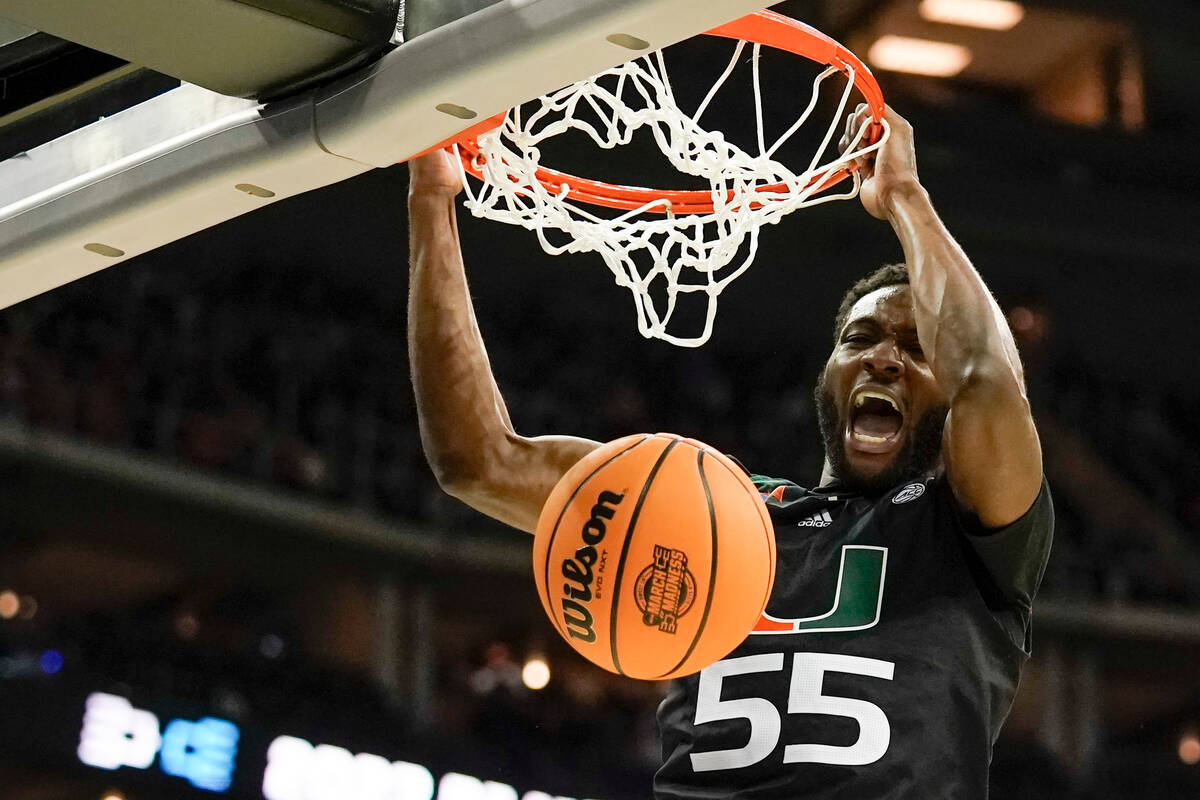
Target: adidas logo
{"x": 821, "y": 519}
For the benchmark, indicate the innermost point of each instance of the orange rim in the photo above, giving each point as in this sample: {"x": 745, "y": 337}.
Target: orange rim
{"x": 764, "y": 27}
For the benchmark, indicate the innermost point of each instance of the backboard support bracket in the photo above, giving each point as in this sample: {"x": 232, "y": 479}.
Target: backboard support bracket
{"x": 170, "y": 166}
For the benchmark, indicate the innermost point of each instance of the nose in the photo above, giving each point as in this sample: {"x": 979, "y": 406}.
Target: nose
{"x": 883, "y": 361}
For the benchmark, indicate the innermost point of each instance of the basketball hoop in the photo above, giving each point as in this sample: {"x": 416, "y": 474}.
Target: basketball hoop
{"x": 688, "y": 239}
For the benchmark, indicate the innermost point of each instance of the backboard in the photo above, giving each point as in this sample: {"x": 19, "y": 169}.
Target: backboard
{"x": 189, "y": 158}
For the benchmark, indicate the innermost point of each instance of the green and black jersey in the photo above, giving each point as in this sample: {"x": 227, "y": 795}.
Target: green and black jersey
{"x": 885, "y": 663}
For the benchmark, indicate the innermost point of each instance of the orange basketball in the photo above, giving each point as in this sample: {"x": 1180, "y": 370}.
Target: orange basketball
{"x": 654, "y": 556}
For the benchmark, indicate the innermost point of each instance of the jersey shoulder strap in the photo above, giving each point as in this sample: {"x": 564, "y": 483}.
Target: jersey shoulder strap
{"x": 776, "y": 490}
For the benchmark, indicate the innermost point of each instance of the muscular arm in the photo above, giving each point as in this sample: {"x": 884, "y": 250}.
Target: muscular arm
{"x": 465, "y": 427}
{"x": 993, "y": 457}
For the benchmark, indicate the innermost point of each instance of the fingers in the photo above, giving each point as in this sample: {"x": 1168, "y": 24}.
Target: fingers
{"x": 893, "y": 117}
{"x": 847, "y": 133}
{"x": 855, "y": 122}
{"x": 434, "y": 171}
{"x": 421, "y": 167}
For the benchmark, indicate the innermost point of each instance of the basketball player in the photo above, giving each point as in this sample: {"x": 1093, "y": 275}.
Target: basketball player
{"x": 900, "y": 617}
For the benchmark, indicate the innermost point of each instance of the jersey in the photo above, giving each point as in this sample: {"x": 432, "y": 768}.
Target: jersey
{"x": 885, "y": 663}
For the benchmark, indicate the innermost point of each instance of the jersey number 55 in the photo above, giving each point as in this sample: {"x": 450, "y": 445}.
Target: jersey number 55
{"x": 804, "y": 697}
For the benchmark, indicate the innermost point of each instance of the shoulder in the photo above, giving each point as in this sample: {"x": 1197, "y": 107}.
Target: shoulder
{"x": 1014, "y": 555}
{"x": 1038, "y": 518}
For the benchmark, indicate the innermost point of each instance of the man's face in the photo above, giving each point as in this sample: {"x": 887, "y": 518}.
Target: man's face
{"x": 880, "y": 409}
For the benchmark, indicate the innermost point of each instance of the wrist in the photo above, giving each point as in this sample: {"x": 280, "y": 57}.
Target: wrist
{"x": 907, "y": 194}
{"x": 431, "y": 193}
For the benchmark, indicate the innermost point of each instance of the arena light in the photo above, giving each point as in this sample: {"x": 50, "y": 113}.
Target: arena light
{"x": 1189, "y": 748}
{"x": 10, "y": 604}
{"x": 187, "y": 626}
{"x": 536, "y": 673}
{"x": 996, "y": 15}
{"x": 272, "y": 646}
{"x": 918, "y": 56}
{"x": 51, "y": 662}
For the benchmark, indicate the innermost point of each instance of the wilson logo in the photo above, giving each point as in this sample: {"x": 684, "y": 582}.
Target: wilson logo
{"x": 578, "y": 572}
{"x": 665, "y": 590}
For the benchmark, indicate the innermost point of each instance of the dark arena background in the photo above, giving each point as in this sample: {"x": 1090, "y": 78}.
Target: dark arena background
{"x": 225, "y": 568}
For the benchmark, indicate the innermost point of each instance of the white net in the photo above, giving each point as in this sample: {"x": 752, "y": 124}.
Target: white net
{"x": 656, "y": 251}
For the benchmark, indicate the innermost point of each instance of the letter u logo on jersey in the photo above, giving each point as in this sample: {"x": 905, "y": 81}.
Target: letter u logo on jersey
{"x": 856, "y": 602}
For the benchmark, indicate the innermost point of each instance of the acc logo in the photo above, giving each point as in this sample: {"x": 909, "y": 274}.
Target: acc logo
{"x": 665, "y": 590}
{"x": 908, "y": 493}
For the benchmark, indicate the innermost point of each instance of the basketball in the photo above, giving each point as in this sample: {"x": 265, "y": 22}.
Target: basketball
{"x": 654, "y": 556}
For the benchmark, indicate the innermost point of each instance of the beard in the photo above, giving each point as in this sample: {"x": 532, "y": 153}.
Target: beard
{"x": 916, "y": 459}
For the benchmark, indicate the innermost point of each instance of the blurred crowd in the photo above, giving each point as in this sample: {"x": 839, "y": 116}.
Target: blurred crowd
{"x": 296, "y": 379}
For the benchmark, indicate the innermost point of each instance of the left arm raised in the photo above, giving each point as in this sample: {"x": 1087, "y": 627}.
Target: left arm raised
{"x": 991, "y": 448}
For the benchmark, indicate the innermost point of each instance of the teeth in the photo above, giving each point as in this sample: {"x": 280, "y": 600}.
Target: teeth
{"x": 862, "y": 437}
{"x": 862, "y": 398}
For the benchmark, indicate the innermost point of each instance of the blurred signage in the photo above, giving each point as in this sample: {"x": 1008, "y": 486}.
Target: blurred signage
{"x": 116, "y": 735}
{"x": 300, "y": 770}
{"x": 203, "y": 752}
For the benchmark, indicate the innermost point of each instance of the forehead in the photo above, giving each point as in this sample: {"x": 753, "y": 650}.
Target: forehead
{"x": 891, "y": 305}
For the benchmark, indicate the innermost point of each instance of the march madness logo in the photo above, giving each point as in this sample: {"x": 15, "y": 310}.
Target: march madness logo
{"x": 665, "y": 590}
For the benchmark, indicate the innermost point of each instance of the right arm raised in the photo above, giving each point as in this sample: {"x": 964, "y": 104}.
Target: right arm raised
{"x": 465, "y": 428}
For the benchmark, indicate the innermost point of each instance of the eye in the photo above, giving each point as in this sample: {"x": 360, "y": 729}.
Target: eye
{"x": 856, "y": 338}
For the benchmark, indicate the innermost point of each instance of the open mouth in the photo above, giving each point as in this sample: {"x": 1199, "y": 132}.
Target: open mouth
{"x": 876, "y": 422}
